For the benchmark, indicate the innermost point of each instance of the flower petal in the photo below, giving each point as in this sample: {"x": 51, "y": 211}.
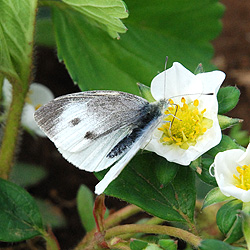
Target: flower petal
{"x": 28, "y": 120}
{"x": 245, "y": 158}
{"x": 211, "y": 81}
{"x": 225, "y": 164}
{"x": 40, "y": 94}
{"x": 7, "y": 92}
{"x": 175, "y": 81}
{"x": 179, "y": 82}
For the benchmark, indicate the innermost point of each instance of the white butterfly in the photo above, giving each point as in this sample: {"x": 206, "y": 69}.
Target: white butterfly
{"x": 96, "y": 129}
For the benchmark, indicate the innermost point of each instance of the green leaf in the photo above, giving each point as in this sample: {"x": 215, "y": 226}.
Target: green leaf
{"x": 156, "y": 185}
{"x": 240, "y": 136}
{"x": 227, "y": 122}
{"x": 227, "y": 218}
{"x": 217, "y": 245}
{"x": 85, "y": 205}
{"x": 226, "y": 143}
{"x": 160, "y": 28}
{"x": 52, "y": 216}
{"x": 44, "y": 33}
{"x": 215, "y": 196}
{"x": 106, "y": 13}
{"x": 20, "y": 216}
{"x": 227, "y": 97}
{"x": 25, "y": 175}
{"x": 16, "y": 37}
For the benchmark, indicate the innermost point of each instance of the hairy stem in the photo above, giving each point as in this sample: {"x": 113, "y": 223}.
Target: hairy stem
{"x": 51, "y": 241}
{"x": 11, "y": 130}
{"x": 155, "y": 229}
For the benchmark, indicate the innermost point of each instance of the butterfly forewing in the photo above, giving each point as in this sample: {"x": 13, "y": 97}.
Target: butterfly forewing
{"x": 74, "y": 121}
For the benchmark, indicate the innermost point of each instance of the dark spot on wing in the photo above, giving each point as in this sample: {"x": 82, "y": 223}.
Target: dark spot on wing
{"x": 90, "y": 135}
{"x": 75, "y": 121}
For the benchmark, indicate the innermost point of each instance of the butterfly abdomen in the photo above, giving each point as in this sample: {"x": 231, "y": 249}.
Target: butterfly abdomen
{"x": 149, "y": 113}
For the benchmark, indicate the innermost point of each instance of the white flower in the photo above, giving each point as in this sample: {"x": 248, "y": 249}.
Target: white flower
{"x": 193, "y": 128}
{"x": 232, "y": 173}
{"x": 38, "y": 95}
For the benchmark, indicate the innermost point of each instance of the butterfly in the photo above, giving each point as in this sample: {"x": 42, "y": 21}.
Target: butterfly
{"x": 94, "y": 130}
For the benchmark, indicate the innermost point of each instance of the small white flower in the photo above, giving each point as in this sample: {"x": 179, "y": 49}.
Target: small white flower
{"x": 232, "y": 173}
{"x": 192, "y": 128}
{"x": 38, "y": 95}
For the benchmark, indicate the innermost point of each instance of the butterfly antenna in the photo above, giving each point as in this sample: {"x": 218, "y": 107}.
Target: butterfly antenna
{"x": 165, "y": 77}
{"x": 174, "y": 116}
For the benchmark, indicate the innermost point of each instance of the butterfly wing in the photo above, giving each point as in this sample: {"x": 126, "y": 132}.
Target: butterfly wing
{"x": 86, "y": 126}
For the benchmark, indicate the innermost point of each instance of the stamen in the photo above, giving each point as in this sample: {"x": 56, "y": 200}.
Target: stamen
{"x": 196, "y": 103}
{"x": 184, "y": 125}
{"x": 38, "y": 106}
{"x": 243, "y": 180}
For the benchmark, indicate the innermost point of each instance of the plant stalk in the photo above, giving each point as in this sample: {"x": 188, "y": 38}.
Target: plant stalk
{"x": 11, "y": 129}
{"x": 153, "y": 229}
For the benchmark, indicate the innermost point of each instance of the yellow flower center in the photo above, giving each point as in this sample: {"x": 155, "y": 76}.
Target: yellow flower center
{"x": 243, "y": 181}
{"x": 183, "y": 125}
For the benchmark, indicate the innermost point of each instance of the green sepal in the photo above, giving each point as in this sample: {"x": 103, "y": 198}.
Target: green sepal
{"x": 227, "y": 122}
{"x": 228, "y": 220}
{"x": 215, "y": 196}
{"x": 245, "y": 213}
{"x": 145, "y": 92}
{"x": 138, "y": 244}
{"x": 227, "y": 97}
{"x": 203, "y": 172}
{"x": 239, "y": 135}
{"x": 199, "y": 69}
{"x": 167, "y": 244}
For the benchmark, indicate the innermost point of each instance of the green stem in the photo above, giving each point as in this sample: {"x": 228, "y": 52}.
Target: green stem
{"x": 152, "y": 221}
{"x": 155, "y": 229}
{"x": 122, "y": 214}
{"x": 51, "y": 241}
{"x": 121, "y": 246}
{"x": 112, "y": 220}
{"x": 20, "y": 88}
{"x": 11, "y": 129}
